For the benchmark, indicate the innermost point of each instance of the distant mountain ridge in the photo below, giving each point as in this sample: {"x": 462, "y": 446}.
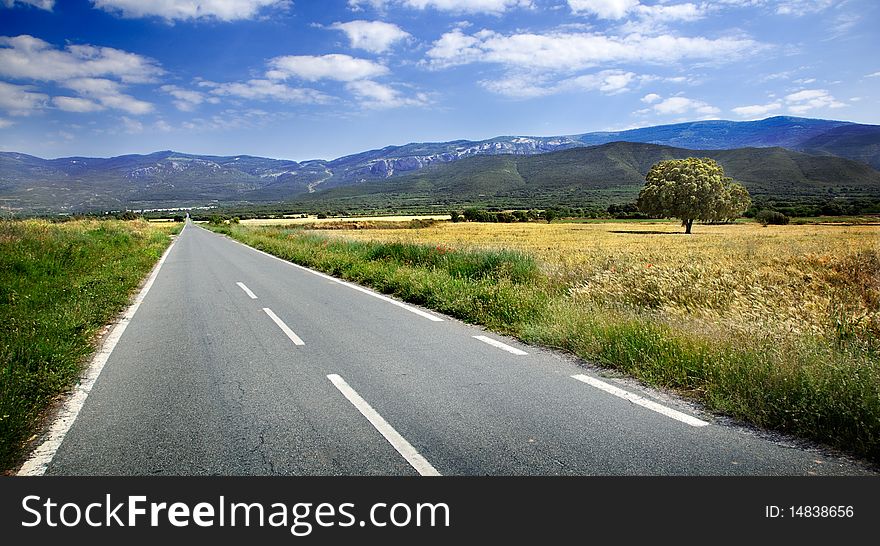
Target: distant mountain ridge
{"x": 603, "y": 174}
{"x": 171, "y": 178}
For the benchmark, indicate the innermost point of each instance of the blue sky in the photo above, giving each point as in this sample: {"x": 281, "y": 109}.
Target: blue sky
{"x": 302, "y": 80}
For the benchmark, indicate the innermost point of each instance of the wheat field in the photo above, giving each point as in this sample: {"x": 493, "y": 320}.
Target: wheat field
{"x": 723, "y": 280}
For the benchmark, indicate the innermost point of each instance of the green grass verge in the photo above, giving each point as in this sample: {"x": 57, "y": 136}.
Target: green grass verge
{"x": 824, "y": 390}
{"x": 59, "y": 285}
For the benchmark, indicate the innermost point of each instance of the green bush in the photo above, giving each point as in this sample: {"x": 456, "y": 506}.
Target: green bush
{"x": 772, "y": 217}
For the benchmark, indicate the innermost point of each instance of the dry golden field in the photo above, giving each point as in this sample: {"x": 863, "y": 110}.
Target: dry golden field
{"x": 722, "y": 280}
{"x": 316, "y": 220}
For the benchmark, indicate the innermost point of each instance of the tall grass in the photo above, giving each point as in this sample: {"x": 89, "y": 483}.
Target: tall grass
{"x": 757, "y": 341}
{"x": 59, "y": 284}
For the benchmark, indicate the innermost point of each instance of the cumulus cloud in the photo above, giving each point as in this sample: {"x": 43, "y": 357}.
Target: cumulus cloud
{"x": 5, "y": 123}
{"x": 811, "y": 99}
{"x": 604, "y": 9}
{"x": 76, "y": 104}
{"x": 131, "y": 126}
{"x": 651, "y": 98}
{"x": 494, "y": 7}
{"x": 185, "y": 100}
{"x": 524, "y": 85}
{"x": 108, "y": 94}
{"x": 802, "y": 7}
{"x": 371, "y": 94}
{"x": 262, "y": 89}
{"x": 20, "y": 100}
{"x": 373, "y": 36}
{"x": 683, "y": 105}
{"x": 42, "y": 4}
{"x": 222, "y": 10}
{"x": 563, "y": 51}
{"x": 324, "y": 67}
{"x": 757, "y": 110}
{"x": 649, "y": 14}
{"x": 28, "y": 57}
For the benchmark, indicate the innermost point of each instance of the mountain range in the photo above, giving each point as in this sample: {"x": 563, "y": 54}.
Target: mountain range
{"x": 779, "y": 157}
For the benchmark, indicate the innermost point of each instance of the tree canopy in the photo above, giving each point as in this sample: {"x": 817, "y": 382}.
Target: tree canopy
{"x": 692, "y": 189}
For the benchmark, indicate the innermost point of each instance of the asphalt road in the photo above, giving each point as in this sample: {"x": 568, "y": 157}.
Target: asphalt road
{"x": 333, "y": 380}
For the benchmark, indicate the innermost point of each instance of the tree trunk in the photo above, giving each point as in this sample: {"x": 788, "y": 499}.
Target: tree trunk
{"x": 687, "y": 226}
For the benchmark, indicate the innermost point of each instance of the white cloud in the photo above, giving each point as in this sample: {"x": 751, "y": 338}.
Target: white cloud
{"x": 519, "y": 86}
{"x": 20, "y": 100}
{"x": 373, "y": 36}
{"x": 325, "y": 67}
{"x": 755, "y": 111}
{"x": 27, "y": 57}
{"x": 5, "y": 123}
{"x": 131, "y": 126}
{"x": 799, "y": 8}
{"x": 76, "y": 104}
{"x": 42, "y": 4}
{"x": 684, "y": 105}
{"x": 811, "y": 99}
{"x": 604, "y": 9}
{"x": 231, "y": 119}
{"x": 455, "y": 47}
{"x": 874, "y": 75}
{"x": 186, "y": 100}
{"x": 525, "y": 85}
{"x": 108, "y": 93}
{"x": 222, "y": 10}
{"x": 494, "y": 7}
{"x": 260, "y": 89}
{"x": 376, "y": 95}
{"x": 574, "y": 51}
{"x": 674, "y": 12}
{"x": 610, "y": 82}
{"x": 651, "y": 98}
{"x": 162, "y": 126}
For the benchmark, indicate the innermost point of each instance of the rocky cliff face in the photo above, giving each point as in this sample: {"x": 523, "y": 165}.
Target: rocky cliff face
{"x": 385, "y": 167}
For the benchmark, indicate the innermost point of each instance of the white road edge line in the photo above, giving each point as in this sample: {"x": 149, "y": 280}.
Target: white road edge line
{"x": 367, "y": 291}
{"x": 502, "y": 346}
{"x": 644, "y": 402}
{"x": 413, "y": 457}
{"x": 39, "y": 460}
{"x": 293, "y": 337}
{"x": 247, "y": 290}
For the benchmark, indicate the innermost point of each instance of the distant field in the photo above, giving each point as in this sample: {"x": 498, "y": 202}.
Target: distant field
{"x": 316, "y": 220}
{"x": 777, "y": 325}
{"x": 59, "y": 285}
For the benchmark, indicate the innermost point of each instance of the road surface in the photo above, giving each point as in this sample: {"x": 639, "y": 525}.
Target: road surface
{"x": 237, "y": 363}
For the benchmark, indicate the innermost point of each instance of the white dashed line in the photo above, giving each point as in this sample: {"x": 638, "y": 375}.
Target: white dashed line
{"x": 413, "y": 457}
{"x": 247, "y": 290}
{"x": 644, "y": 402}
{"x": 284, "y": 328}
{"x": 367, "y": 291}
{"x": 502, "y": 346}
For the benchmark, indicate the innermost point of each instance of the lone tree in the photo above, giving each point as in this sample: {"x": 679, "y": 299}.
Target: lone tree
{"x": 692, "y": 189}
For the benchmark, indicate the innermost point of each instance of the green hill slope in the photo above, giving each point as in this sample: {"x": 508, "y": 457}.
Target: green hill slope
{"x": 602, "y": 174}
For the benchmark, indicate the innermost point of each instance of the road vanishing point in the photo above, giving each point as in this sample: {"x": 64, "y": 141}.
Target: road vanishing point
{"x": 239, "y": 363}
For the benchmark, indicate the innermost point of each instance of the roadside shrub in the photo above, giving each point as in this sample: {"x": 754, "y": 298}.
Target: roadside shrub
{"x": 772, "y": 217}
